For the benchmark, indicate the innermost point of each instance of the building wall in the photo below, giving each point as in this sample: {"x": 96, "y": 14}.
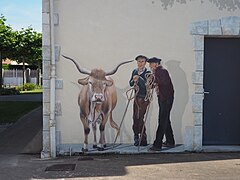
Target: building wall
{"x": 104, "y": 33}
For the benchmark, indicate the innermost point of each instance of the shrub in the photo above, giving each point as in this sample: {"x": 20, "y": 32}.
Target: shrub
{"x": 9, "y": 91}
{"x": 19, "y": 88}
{"x": 27, "y": 86}
{"x": 5, "y": 66}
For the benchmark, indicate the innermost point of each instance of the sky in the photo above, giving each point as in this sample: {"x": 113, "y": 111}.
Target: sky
{"x": 22, "y": 13}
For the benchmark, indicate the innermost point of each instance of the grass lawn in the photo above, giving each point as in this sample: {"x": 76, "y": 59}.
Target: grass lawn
{"x": 35, "y": 91}
{"x": 11, "y": 111}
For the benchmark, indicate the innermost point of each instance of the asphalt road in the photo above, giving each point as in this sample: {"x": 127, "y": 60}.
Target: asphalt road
{"x": 190, "y": 166}
{"x": 22, "y": 97}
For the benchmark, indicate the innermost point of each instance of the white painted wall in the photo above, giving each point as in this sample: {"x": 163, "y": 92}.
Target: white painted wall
{"x": 102, "y": 33}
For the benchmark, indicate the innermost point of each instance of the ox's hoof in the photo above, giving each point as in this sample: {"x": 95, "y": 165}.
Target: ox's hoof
{"x": 100, "y": 149}
{"x": 104, "y": 145}
{"x": 84, "y": 150}
{"x": 94, "y": 146}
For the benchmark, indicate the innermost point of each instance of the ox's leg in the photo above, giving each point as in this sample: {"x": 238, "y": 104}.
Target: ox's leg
{"x": 86, "y": 133}
{"x": 102, "y": 134}
{"x": 104, "y": 142}
{"x": 101, "y": 140}
{"x": 94, "y": 126}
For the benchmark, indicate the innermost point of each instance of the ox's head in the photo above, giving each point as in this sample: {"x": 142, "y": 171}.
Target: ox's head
{"x": 96, "y": 80}
{"x": 97, "y": 84}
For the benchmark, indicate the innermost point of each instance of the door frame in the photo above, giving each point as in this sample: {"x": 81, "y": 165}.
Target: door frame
{"x": 223, "y": 27}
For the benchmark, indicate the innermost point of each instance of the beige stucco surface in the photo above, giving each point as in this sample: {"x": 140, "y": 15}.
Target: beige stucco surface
{"x": 102, "y": 33}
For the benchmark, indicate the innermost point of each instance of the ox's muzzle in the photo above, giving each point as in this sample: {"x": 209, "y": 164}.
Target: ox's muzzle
{"x": 98, "y": 97}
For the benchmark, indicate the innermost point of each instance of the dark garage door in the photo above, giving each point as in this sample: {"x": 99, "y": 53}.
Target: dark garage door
{"x": 221, "y": 107}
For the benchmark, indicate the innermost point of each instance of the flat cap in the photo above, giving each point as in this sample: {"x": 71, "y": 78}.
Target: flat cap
{"x": 154, "y": 60}
{"x": 141, "y": 57}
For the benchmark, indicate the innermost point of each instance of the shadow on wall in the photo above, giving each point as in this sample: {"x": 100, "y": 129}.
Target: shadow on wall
{"x": 122, "y": 103}
{"x": 230, "y": 5}
{"x": 117, "y": 117}
{"x": 181, "y": 96}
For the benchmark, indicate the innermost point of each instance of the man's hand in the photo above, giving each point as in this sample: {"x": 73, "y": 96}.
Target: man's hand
{"x": 135, "y": 78}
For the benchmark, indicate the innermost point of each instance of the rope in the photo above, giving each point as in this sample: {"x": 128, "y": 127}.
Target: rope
{"x": 149, "y": 87}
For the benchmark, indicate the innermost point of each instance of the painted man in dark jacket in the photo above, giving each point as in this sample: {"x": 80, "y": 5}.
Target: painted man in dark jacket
{"x": 165, "y": 94}
{"x": 138, "y": 80}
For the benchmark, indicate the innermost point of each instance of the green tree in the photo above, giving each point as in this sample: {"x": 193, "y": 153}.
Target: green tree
{"x": 24, "y": 46}
{"x": 28, "y": 47}
{"x": 6, "y": 43}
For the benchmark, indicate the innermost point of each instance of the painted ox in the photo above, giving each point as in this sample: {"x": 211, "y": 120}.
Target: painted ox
{"x": 97, "y": 99}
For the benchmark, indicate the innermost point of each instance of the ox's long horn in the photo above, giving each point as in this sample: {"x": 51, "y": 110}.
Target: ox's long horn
{"x": 81, "y": 70}
{"x": 115, "y": 70}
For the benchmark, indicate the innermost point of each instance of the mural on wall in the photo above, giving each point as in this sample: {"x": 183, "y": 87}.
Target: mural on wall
{"x": 97, "y": 99}
{"x": 230, "y": 5}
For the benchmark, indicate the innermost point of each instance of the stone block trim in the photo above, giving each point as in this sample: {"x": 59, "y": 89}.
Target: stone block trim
{"x": 199, "y": 60}
{"x": 45, "y": 6}
{"x": 46, "y": 96}
{"x": 45, "y": 122}
{"x": 188, "y": 138}
{"x": 46, "y": 35}
{"x": 46, "y": 148}
{"x": 57, "y": 52}
{"x": 46, "y": 84}
{"x": 59, "y": 83}
{"x": 230, "y": 21}
{"x": 46, "y": 70}
{"x": 198, "y": 28}
{"x": 226, "y": 26}
{"x": 198, "y": 119}
{"x": 197, "y": 138}
{"x": 58, "y": 108}
{"x": 197, "y": 103}
{"x": 197, "y": 77}
{"x": 46, "y": 108}
{"x": 45, "y": 18}
{"x": 198, "y": 43}
{"x": 214, "y": 27}
{"x": 199, "y": 89}
{"x": 230, "y": 30}
{"x": 46, "y": 53}
{"x": 55, "y": 19}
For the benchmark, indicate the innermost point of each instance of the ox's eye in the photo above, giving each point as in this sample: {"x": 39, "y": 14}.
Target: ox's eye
{"x": 89, "y": 82}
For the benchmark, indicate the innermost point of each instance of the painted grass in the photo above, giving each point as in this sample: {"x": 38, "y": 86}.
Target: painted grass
{"x": 10, "y": 112}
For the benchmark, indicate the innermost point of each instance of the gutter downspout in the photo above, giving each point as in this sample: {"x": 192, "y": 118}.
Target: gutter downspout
{"x": 52, "y": 121}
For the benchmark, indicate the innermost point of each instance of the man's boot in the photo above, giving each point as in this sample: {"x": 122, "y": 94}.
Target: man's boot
{"x": 144, "y": 140}
{"x": 136, "y": 140}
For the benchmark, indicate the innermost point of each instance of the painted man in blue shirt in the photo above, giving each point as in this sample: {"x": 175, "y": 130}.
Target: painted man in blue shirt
{"x": 138, "y": 80}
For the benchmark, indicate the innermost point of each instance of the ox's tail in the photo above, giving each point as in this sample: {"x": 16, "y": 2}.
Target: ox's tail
{"x": 113, "y": 124}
